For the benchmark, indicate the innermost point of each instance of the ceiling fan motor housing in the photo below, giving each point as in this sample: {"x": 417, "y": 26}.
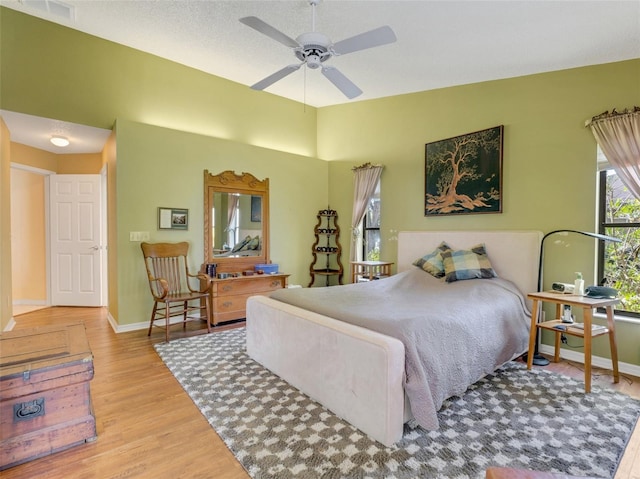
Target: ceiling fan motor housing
{"x": 314, "y": 49}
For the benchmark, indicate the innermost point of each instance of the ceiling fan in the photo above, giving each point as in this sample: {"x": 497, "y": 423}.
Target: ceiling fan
{"x": 314, "y": 48}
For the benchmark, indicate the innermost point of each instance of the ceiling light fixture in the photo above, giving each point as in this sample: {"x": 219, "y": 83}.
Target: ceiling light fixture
{"x": 60, "y": 141}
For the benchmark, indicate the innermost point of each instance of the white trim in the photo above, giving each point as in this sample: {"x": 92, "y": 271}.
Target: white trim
{"x": 104, "y": 294}
{"x": 47, "y": 237}
{"x": 598, "y": 361}
{"x": 601, "y": 160}
{"x": 112, "y": 322}
{"x": 10, "y": 325}
{"x": 32, "y": 169}
{"x": 126, "y": 328}
{"x": 46, "y": 174}
{"x": 618, "y": 318}
{"x": 30, "y": 302}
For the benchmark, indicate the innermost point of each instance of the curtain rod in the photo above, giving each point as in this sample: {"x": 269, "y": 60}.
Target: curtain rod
{"x": 366, "y": 165}
{"x": 606, "y": 115}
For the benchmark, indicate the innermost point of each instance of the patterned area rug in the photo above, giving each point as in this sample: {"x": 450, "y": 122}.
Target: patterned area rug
{"x": 514, "y": 418}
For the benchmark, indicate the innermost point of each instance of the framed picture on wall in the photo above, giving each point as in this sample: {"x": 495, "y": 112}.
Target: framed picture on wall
{"x": 463, "y": 174}
{"x": 173, "y": 219}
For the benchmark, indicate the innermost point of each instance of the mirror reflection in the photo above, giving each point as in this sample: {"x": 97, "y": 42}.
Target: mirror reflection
{"x": 237, "y": 225}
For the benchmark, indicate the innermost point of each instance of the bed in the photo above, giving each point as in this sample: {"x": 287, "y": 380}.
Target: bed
{"x": 368, "y": 376}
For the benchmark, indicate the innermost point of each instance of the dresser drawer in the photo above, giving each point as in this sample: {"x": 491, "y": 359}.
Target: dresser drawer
{"x": 253, "y": 284}
{"x": 230, "y": 295}
{"x": 228, "y": 304}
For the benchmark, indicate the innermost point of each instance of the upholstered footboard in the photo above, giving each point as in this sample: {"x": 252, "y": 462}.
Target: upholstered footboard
{"x": 354, "y": 372}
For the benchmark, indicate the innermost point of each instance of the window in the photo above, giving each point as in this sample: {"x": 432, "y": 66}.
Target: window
{"x": 371, "y": 228}
{"x": 619, "y": 263}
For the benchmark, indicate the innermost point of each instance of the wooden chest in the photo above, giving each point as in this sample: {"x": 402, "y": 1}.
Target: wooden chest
{"x": 45, "y": 402}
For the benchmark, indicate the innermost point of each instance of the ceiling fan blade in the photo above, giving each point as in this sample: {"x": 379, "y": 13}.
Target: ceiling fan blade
{"x": 279, "y": 75}
{"x": 268, "y": 30}
{"x": 373, "y": 38}
{"x": 343, "y": 84}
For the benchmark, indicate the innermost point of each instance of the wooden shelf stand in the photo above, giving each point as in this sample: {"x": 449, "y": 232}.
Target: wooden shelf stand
{"x": 326, "y": 248}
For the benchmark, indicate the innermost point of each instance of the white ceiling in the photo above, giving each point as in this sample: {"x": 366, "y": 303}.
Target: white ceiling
{"x": 37, "y": 132}
{"x": 440, "y": 43}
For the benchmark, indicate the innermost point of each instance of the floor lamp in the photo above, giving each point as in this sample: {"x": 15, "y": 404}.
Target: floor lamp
{"x": 538, "y": 359}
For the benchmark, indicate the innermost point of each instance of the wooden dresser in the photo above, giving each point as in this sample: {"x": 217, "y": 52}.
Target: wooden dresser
{"x": 236, "y": 210}
{"x": 229, "y": 295}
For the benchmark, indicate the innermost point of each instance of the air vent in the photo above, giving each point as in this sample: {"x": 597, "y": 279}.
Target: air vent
{"x": 54, "y": 7}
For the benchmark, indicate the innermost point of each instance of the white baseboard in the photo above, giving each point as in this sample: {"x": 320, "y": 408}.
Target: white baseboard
{"x": 30, "y": 302}
{"x": 126, "y": 328}
{"x": 627, "y": 368}
{"x": 10, "y": 325}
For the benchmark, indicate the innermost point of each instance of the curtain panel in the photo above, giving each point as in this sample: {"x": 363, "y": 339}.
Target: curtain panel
{"x": 232, "y": 211}
{"x": 618, "y": 135}
{"x": 365, "y": 180}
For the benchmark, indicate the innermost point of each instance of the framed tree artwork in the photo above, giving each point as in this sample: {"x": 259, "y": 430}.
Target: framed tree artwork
{"x": 463, "y": 174}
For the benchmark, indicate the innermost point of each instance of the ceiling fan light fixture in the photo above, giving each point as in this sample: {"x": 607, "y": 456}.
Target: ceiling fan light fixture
{"x": 313, "y": 62}
{"x": 60, "y": 141}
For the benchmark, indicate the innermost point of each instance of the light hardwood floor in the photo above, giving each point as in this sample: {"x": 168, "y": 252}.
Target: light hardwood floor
{"x": 148, "y": 427}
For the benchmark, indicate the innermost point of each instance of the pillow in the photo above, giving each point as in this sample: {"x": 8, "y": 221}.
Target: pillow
{"x": 241, "y": 244}
{"x": 254, "y": 243}
{"x": 432, "y": 262}
{"x": 467, "y": 264}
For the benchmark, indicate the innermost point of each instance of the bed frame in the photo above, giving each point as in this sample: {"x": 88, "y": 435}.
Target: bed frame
{"x": 357, "y": 373}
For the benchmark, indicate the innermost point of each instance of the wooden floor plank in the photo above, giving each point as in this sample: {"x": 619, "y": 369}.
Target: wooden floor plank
{"x": 149, "y": 427}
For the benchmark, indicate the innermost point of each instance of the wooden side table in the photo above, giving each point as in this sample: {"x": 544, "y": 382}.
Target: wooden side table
{"x": 369, "y": 270}
{"x": 587, "y": 305}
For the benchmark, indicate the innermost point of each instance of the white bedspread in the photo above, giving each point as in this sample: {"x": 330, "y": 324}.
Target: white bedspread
{"x": 453, "y": 333}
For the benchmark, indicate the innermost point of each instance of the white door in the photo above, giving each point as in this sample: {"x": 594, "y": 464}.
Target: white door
{"x": 76, "y": 251}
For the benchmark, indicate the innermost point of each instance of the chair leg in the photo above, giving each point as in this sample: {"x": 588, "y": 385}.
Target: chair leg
{"x": 185, "y": 306}
{"x": 153, "y": 315}
{"x": 207, "y": 314}
{"x": 167, "y": 319}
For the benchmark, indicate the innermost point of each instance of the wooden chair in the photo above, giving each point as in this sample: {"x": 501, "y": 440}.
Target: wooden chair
{"x": 169, "y": 281}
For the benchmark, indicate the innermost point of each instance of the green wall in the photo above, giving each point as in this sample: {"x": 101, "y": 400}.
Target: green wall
{"x": 549, "y": 160}
{"x": 549, "y": 167}
{"x": 56, "y": 72}
{"x": 172, "y": 122}
{"x": 162, "y": 167}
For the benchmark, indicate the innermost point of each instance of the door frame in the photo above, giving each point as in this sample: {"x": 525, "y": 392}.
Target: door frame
{"x": 104, "y": 299}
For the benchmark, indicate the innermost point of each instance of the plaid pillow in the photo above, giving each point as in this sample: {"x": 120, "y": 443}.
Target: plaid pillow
{"x": 432, "y": 262}
{"x": 467, "y": 264}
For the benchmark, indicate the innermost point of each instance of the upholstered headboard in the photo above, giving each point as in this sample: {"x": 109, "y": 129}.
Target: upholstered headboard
{"x": 514, "y": 254}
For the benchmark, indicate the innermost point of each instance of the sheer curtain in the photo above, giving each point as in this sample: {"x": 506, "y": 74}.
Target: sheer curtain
{"x": 618, "y": 135}
{"x": 232, "y": 211}
{"x": 365, "y": 180}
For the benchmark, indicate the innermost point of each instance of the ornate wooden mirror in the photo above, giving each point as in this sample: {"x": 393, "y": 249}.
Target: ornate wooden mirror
{"x": 236, "y": 221}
